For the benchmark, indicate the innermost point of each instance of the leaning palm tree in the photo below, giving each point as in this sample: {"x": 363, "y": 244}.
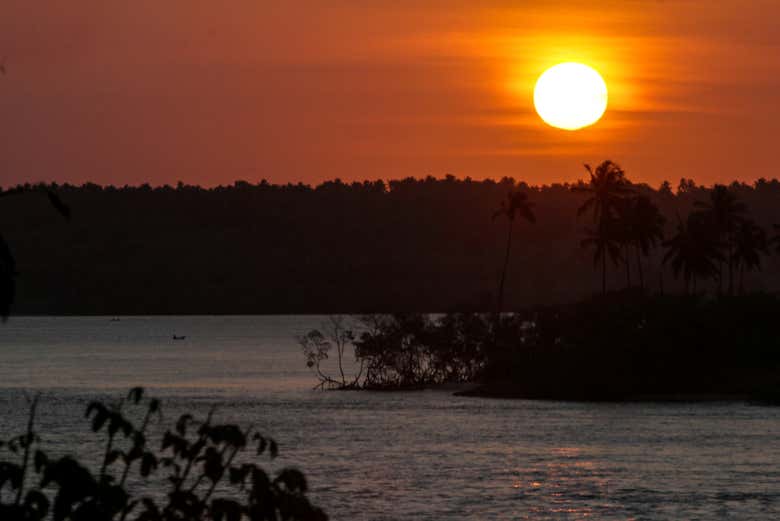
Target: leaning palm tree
{"x": 607, "y": 186}
{"x": 7, "y": 262}
{"x": 644, "y": 225}
{"x": 516, "y": 203}
{"x": 605, "y": 241}
{"x": 693, "y": 251}
{"x": 724, "y": 212}
{"x": 750, "y": 242}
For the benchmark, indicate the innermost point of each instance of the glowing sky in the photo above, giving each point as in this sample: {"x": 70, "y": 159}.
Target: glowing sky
{"x": 306, "y": 90}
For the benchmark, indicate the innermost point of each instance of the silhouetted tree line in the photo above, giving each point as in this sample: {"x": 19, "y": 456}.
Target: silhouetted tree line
{"x": 199, "y": 470}
{"x": 407, "y": 245}
{"x": 718, "y": 240}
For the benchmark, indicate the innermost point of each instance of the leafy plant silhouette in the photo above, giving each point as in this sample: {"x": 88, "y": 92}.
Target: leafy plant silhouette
{"x": 318, "y": 343}
{"x": 196, "y": 458}
{"x": 403, "y": 350}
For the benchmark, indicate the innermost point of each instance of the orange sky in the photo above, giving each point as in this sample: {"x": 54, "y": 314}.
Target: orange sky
{"x": 306, "y": 90}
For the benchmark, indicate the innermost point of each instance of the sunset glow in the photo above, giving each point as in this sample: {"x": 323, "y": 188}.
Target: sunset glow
{"x": 309, "y": 91}
{"x": 536, "y": 243}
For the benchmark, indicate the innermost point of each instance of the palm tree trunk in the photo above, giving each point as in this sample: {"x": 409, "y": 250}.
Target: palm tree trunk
{"x": 639, "y": 269}
{"x": 500, "y": 307}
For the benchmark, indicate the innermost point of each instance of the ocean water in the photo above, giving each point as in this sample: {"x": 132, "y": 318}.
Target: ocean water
{"x": 424, "y": 455}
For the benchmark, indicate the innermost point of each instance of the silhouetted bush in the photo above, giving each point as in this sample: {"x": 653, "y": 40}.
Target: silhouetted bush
{"x": 613, "y": 347}
{"x": 317, "y": 344}
{"x": 404, "y": 350}
{"x": 198, "y": 463}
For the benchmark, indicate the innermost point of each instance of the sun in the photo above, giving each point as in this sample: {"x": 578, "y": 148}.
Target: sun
{"x": 570, "y": 96}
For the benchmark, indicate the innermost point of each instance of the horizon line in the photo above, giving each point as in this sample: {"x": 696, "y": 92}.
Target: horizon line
{"x": 387, "y": 184}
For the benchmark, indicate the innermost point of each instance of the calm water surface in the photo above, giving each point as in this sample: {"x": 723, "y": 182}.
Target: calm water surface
{"x": 385, "y": 456}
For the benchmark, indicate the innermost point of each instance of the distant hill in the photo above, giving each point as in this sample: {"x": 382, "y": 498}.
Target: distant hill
{"x": 406, "y": 245}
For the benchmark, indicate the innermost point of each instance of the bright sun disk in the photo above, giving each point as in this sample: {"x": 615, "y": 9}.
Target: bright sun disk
{"x": 570, "y": 96}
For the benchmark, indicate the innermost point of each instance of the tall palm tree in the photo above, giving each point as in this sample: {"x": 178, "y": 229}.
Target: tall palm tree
{"x": 516, "y": 203}
{"x": 644, "y": 227}
{"x": 607, "y": 189}
{"x": 693, "y": 251}
{"x": 607, "y": 186}
{"x": 750, "y": 242}
{"x": 605, "y": 241}
{"x": 724, "y": 212}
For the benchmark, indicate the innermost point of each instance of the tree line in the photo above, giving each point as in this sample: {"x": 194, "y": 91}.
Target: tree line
{"x": 717, "y": 241}
{"x": 405, "y": 245}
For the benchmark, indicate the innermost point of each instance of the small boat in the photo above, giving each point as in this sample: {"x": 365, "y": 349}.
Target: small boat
{"x": 115, "y": 319}
{"x": 179, "y": 337}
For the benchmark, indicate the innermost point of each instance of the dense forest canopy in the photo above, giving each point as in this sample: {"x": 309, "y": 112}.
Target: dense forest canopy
{"x": 406, "y": 245}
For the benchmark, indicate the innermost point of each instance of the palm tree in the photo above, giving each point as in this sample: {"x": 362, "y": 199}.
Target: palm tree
{"x": 750, "y": 242}
{"x": 605, "y": 242}
{"x": 693, "y": 251}
{"x": 724, "y": 212}
{"x": 607, "y": 186}
{"x": 515, "y": 203}
{"x": 644, "y": 227}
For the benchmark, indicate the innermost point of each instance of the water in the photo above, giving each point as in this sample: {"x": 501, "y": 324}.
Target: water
{"x": 415, "y": 455}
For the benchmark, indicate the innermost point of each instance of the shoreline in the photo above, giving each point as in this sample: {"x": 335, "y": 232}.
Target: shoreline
{"x": 510, "y": 392}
